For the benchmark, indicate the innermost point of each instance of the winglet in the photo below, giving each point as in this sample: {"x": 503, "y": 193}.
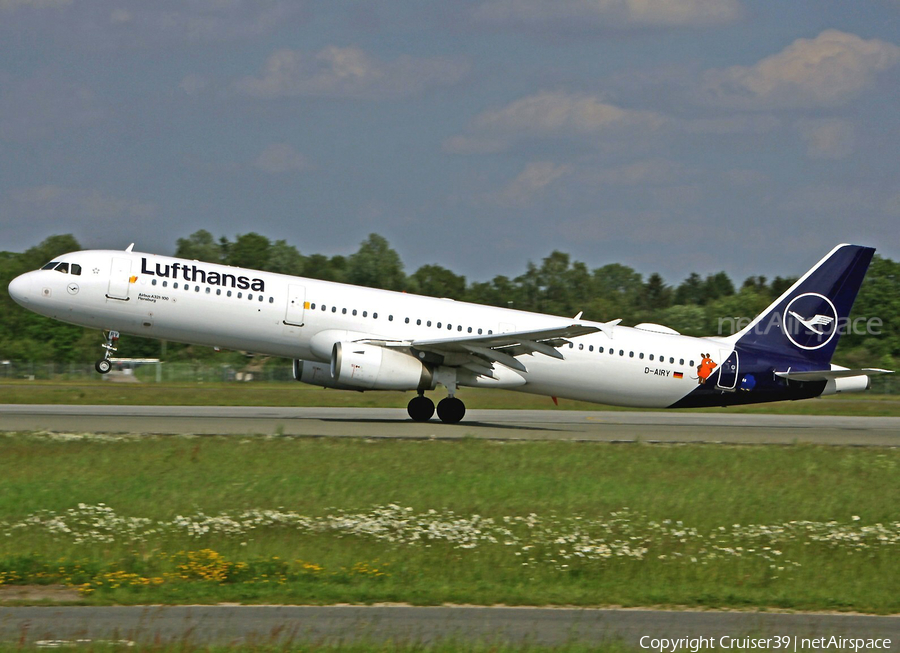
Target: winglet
{"x": 130, "y": 247}
{"x": 607, "y": 327}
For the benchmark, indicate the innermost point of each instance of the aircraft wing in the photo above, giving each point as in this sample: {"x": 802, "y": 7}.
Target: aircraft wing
{"x": 479, "y": 352}
{"x": 827, "y": 375}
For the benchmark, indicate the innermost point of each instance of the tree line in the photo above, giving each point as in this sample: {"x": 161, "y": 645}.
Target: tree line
{"x": 557, "y": 285}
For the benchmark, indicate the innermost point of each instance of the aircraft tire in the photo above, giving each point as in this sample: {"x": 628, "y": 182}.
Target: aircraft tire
{"x": 451, "y": 410}
{"x": 103, "y": 366}
{"x": 420, "y": 408}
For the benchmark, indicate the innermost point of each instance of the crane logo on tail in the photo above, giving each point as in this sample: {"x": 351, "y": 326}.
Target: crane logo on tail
{"x": 810, "y": 321}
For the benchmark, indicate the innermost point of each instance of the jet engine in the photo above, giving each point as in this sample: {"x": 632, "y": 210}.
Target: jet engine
{"x": 370, "y": 367}
{"x": 319, "y": 374}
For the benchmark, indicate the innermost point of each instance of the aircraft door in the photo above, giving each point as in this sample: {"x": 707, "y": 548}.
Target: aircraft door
{"x": 119, "y": 278}
{"x": 296, "y": 305}
{"x": 728, "y": 372}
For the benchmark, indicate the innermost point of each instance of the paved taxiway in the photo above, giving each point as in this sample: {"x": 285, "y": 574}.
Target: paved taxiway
{"x": 601, "y": 426}
{"x": 222, "y": 625}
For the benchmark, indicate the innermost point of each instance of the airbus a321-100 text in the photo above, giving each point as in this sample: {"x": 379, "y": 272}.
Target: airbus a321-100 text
{"x": 354, "y": 338}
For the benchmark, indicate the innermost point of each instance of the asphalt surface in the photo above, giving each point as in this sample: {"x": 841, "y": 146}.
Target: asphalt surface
{"x": 609, "y": 426}
{"x": 223, "y": 625}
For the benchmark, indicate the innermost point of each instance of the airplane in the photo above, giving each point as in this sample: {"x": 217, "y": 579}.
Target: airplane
{"x": 354, "y": 338}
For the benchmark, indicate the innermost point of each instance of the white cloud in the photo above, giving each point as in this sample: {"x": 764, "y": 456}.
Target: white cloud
{"x": 348, "y": 73}
{"x": 557, "y": 112}
{"x": 279, "y": 158}
{"x": 204, "y": 20}
{"x": 551, "y": 115}
{"x": 828, "y": 138}
{"x": 580, "y": 15}
{"x": 532, "y": 181}
{"x": 735, "y": 124}
{"x": 651, "y": 172}
{"x": 831, "y": 69}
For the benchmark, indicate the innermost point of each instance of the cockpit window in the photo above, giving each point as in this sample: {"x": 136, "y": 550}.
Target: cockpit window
{"x": 63, "y": 267}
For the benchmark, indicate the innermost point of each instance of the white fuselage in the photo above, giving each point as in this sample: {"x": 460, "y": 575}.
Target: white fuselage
{"x": 300, "y": 318}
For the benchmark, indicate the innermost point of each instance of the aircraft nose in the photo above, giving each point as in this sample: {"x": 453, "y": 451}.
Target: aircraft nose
{"x": 19, "y": 289}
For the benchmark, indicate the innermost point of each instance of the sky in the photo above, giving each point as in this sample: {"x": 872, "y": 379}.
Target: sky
{"x": 674, "y": 136}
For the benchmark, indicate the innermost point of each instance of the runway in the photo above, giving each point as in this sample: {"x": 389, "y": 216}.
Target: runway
{"x": 599, "y": 426}
{"x": 278, "y": 625}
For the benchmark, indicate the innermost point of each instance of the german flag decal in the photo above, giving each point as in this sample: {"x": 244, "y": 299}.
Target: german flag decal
{"x": 678, "y": 375}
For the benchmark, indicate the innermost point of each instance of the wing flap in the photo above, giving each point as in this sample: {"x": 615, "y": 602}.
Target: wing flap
{"x": 483, "y": 351}
{"x": 509, "y": 339}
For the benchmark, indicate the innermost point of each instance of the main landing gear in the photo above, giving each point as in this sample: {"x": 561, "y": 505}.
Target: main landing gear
{"x": 450, "y": 409}
{"x": 104, "y": 365}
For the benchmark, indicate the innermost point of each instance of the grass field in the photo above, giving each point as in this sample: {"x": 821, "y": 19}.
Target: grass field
{"x": 370, "y": 647}
{"x": 282, "y": 520}
{"x": 296, "y": 394}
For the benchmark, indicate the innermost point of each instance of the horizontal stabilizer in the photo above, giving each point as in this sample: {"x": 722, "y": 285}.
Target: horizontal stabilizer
{"x": 827, "y": 375}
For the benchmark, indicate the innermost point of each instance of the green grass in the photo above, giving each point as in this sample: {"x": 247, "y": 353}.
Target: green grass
{"x": 388, "y": 646}
{"x": 297, "y": 394}
{"x": 677, "y": 502}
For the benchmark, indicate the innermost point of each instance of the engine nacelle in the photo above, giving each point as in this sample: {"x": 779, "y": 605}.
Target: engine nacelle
{"x": 370, "y": 367}
{"x": 318, "y": 374}
{"x": 859, "y": 383}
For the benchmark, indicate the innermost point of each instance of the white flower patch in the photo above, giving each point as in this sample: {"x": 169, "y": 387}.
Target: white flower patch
{"x": 562, "y": 542}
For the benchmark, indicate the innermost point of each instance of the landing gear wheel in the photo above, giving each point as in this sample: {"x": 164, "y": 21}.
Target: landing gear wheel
{"x": 420, "y": 408}
{"x": 104, "y": 365}
{"x": 451, "y": 410}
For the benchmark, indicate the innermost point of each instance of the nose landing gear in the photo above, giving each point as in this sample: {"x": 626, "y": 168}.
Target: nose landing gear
{"x": 104, "y": 365}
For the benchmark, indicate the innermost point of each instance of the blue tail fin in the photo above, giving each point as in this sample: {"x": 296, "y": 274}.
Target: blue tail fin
{"x": 807, "y": 320}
